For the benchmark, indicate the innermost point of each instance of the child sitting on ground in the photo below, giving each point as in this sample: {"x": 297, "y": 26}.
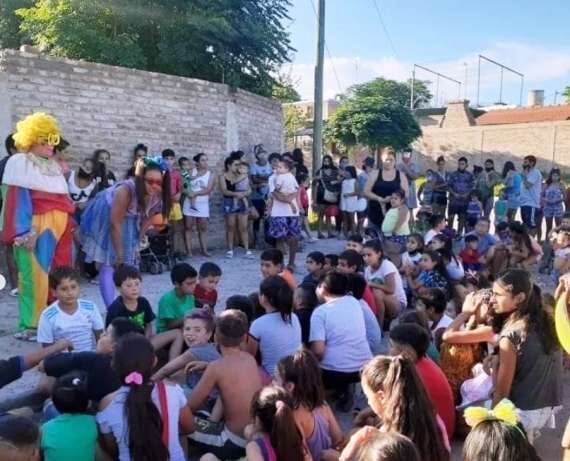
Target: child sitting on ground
{"x": 434, "y": 302}
{"x": 331, "y": 262}
{"x": 176, "y": 303}
{"x": 237, "y": 378}
{"x": 70, "y": 317}
{"x": 132, "y": 305}
{"x": 130, "y": 421}
{"x": 206, "y": 294}
{"x": 73, "y": 434}
{"x": 354, "y": 242}
{"x": 562, "y": 253}
{"x": 277, "y": 333}
{"x": 197, "y": 332}
{"x": 350, "y": 262}
{"x": 305, "y": 300}
{"x": 274, "y": 432}
{"x": 299, "y": 374}
{"x": 284, "y": 182}
{"x": 470, "y": 257}
{"x": 19, "y": 439}
{"x": 272, "y": 264}
{"x": 356, "y": 286}
{"x": 371, "y": 444}
{"x": 496, "y": 435}
{"x": 314, "y": 265}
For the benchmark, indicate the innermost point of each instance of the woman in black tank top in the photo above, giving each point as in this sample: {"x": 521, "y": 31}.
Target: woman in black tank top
{"x": 381, "y": 185}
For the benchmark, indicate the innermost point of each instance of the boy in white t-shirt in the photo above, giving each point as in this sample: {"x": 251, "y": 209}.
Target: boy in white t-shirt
{"x": 284, "y": 182}
{"x": 76, "y": 320}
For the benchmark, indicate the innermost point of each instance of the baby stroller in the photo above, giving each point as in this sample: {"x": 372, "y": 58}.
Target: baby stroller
{"x": 157, "y": 255}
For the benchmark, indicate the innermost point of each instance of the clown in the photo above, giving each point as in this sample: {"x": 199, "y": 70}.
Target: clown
{"x": 36, "y": 216}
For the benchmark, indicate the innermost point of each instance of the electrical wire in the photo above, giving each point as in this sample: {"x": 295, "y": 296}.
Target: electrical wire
{"x": 385, "y": 29}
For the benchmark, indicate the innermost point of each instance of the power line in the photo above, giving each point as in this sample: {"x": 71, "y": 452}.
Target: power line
{"x": 328, "y": 52}
{"x": 385, "y": 29}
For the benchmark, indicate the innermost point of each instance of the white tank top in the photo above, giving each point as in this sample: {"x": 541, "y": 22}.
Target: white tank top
{"x": 78, "y": 194}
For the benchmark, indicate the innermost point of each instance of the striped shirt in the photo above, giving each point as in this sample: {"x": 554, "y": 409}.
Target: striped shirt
{"x": 78, "y": 327}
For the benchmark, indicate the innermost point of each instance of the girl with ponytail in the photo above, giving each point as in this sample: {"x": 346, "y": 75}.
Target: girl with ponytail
{"x": 275, "y": 434}
{"x": 397, "y": 397}
{"x": 276, "y": 334}
{"x": 142, "y": 420}
{"x": 527, "y": 366}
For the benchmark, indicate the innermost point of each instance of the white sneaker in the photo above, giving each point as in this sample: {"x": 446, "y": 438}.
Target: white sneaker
{"x": 249, "y": 254}
{"x": 230, "y": 254}
{"x": 14, "y": 292}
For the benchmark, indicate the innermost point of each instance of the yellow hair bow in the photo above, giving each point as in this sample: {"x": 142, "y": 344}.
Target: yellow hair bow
{"x": 504, "y": 411}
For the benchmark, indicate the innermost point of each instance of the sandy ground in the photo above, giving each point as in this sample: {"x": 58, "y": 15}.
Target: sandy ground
{"x": 240, "y": 276}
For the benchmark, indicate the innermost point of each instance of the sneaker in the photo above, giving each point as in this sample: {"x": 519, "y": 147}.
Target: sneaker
{"x": 230, "y": 254}
{"x": 94, "y": 282}
{"x": 249, "y": 254}
{"x": 13, "y": 292}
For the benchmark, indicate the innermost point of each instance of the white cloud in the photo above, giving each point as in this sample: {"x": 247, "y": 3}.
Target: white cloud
{"x": 539, "y": 65}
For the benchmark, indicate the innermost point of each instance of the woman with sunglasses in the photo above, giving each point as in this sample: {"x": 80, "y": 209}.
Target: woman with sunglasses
{"x": 114, "y": 222}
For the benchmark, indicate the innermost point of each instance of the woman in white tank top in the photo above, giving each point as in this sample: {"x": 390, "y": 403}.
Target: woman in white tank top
{"x": 198, "y": 186}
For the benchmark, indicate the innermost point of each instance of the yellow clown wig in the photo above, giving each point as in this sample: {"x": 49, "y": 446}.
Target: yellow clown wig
{"x": 36, "y": 128}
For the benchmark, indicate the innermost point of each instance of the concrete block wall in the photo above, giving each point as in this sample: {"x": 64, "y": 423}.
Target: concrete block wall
{"x": 101, "y": 106}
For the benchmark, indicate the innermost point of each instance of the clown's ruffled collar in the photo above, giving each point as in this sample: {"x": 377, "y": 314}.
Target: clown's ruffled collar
{"x": 32, "y": 172}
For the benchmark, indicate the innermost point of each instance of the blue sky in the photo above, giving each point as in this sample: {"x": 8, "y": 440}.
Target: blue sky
{"x": 529, "y": 36}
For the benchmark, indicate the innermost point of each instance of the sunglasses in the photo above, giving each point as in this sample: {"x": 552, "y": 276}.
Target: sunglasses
{"x": 153, "y": 182}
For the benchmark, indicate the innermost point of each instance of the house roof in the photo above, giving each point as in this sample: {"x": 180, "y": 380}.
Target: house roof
{"x": 525, "y": 115}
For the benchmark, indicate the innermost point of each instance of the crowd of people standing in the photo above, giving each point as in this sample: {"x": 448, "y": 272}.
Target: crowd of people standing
{"x": 426, "y": 310}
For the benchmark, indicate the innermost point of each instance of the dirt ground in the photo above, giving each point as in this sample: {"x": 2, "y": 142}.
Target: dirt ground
{"x": 240, "y": 276}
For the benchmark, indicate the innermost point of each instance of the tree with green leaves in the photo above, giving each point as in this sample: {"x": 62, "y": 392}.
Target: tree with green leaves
{"x": 239, "y": 42}
{"x": 10, "y": 36}
{"x": 284, "y": 89}
{"x": 374, "y": 114}
{"x": 566, "y": 94}
{"x": 293, "y": 121}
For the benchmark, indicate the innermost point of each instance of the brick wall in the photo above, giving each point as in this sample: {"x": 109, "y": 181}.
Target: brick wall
{"x": 548, "y": 141}
{"x": 100, "y": 106}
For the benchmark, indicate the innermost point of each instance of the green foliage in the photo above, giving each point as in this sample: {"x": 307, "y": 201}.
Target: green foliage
{"x": 566, "y": 94}
{"x": 293, "y": 121}
{"x": 238, "y": 42}
{"x": 374, "y": 114}
{"x": 10, "y": 36}
{"x": 284, "y": 89}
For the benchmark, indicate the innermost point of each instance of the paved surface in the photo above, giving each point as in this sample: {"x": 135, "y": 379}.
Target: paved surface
{"x": 240, "y": 276}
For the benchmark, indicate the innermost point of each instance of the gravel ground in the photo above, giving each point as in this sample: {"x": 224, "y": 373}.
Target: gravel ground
{"x": 240, "y": 276}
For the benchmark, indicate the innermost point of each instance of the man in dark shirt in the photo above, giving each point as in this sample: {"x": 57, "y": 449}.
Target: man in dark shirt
{"x": 101, "y": 378}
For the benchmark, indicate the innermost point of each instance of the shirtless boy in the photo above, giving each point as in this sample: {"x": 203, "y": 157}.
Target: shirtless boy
{"x": 237, "y": 378}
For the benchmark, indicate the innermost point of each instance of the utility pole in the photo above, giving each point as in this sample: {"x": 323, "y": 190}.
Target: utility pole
{"x": 318, "y": 104}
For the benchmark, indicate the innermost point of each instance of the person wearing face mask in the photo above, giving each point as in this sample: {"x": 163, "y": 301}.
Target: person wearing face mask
{"x": 460, "y": 185}
{"x": 104, "y": 176}
{"x": 485, "y": 184}
{"x": 37, "y": 214}
{"x": 82, "y": 186}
